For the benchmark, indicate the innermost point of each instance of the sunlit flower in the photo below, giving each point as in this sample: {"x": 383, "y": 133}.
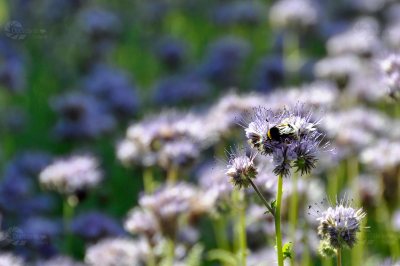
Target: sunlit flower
{"x": 241, "y": 168}
{"x": 339, "y": 69}
{"x": 178, "y": 154}
{"x": 168, "y": 203}
{"x": 115, "y": 251}
{"x": 361, "y": 39}
{"x": 390, "y": 67}
{"x": 383, "y": 155}
{"x": 60, "y": 261}
{"x": 289, "y": 136}
{"x": 10, "y": 259}
{"x": 293, "y": 14}
{"x": 72, "y": 174}
{"x": 340, "y": 224}
{"x": 141, "y": 222}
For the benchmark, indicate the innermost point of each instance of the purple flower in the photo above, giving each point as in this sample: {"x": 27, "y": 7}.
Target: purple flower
{"x": 113, "y": 88}
{"x": 269, "y": 74}
{"x": 182, "y": 89}
{"x": 289, "y": 136}
{"x": 338, "y": 225}
{"x": 224, "y": 59}
{"x": 171, "y": 52}
{"x": 241, "y": 168}
{"x": 81, "y": 117}
{"x": 95, "y": 225}
{"x": 244, "y": 13}
{"x": 390, "y": 68}
{"x": 99, "y": 24}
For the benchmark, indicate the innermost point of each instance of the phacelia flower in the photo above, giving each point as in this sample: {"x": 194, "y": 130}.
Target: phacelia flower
{"x": 168, "y": 204}
{"x": 141, "y": 222}
{"x": 72, "y": 174}
{"x": 181, "y": 153}
{"x": 391, "y": 74}
{"x": 361, "y": 39}
{"x": 339, "y": 225}
{"x": 10, "y": 259}
{"x": 59, "y": 260}
{"x": 115, "y": 251}
{"x": 293, "y": 14}
{"x": 94, "y": 225}
{"x": 241, "y": 168}
{"x": 81, "y": 116}
{"x": 289, "y": 136}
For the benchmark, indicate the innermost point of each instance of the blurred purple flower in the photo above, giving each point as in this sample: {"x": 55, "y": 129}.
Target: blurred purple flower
{"x": 94, "y": 225}
{"x": 224, "y": 59}
{"x": 113, "y": 88}
{"x": 171, "y": 52}
{"x": 81, "y": 117}
{"x": 269, "y": 74}
{"x": 242, "y": 13}
{"x": 183, "y": 89}
{"x": 99, "y": 24}
{"x": 12, "y": 74}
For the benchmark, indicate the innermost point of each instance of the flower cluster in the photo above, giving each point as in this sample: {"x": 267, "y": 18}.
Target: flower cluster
{"x": 241, "y": 169}
{"x": 72, "y": 174}
{"x": 339, "y": 225}
{"x": 288, "y": 135}
{"x": 390, "y": 67}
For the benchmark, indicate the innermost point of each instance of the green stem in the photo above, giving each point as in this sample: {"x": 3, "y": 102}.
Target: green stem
{"x": 151, "y": 259}
{"x": 278, "y": 220}
{"x": 292, "y": 55}
{"x": 326, "y": 262}
{"x": 339, "y": 257}
{"x": 260, "y": 195}
{"x": 333, "y": 183}
{"x": 68, "y": 213}
{"x": 220, "y": 233}
{"x": 240, "y": 227}
{"x": 148, "y": 180}
{"x": 352, "y": 175}
{"x": 305, "y": 259}
{"x": 171, "y": 252}
{"x": 172, "y": 175}
{"x": 293, "y": 213}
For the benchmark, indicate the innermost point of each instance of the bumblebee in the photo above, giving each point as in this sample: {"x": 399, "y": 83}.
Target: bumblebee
{"x": 282, "y": 130}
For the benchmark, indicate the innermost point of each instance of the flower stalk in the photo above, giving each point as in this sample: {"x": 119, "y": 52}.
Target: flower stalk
{"x": 277, "y": 217}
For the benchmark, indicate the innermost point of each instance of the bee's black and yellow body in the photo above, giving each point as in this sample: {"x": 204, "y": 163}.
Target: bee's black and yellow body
{"x": 281, "y": 131}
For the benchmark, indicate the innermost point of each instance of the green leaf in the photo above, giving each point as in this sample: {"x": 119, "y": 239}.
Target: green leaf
{"x": 224, "y": 256}
{"x": 194, "y": 257}
{"x": 273, "y": 205}
{"x": 287, "y": 250}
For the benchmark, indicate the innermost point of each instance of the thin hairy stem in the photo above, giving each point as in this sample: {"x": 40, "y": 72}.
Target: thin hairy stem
{"x": 260, "y": 195}
{"x": 277, "y": 216}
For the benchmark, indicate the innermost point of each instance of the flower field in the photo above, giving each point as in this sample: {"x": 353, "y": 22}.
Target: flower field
{"x": 190, "y": 133}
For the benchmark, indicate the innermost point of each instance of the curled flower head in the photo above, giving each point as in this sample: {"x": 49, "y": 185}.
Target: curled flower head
{"x": 289, "y": 136}
{"x": 241, "y": 168}
{"x": 339, "y": 225}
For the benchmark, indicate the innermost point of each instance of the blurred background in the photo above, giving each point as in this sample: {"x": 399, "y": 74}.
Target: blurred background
{"x": 115, "y": 117}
